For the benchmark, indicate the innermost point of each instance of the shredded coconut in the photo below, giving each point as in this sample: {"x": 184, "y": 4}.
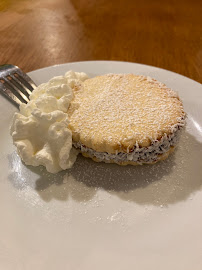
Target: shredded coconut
{"x": 141, "y": 156}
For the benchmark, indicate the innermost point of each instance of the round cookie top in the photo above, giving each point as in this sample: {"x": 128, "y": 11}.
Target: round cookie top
{"x": 114, "y": 112}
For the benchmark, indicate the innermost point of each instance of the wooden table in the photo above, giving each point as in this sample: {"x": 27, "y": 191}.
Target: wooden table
{"x": 39, "y": 33}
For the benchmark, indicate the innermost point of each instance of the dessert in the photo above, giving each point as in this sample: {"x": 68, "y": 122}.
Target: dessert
{"x": 125, "y": 119}
{"x": 114, "y": 118}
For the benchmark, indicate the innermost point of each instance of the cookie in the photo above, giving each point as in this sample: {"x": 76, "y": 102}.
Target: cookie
{"x": 125, "y": 119}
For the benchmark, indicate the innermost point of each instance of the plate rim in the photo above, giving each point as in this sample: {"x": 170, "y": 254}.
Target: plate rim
{"x": 111, "y": 61}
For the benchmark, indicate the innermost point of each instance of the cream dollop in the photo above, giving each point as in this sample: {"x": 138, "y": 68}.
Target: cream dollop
{"x": 40, "y": 130}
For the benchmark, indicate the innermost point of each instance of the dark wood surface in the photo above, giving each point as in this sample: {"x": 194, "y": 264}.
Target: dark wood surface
{"x": 166, "y": 34}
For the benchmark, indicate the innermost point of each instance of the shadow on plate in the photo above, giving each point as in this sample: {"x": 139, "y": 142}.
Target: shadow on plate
{"x": 163, "y": 183}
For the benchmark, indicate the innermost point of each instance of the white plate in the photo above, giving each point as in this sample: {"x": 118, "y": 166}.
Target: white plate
{"x": 102, "y": 216}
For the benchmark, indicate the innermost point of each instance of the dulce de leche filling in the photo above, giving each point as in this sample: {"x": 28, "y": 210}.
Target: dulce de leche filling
{"x": 139, "y": 155}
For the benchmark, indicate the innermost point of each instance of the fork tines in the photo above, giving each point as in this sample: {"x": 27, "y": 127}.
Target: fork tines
{"x": 15, "y": 84}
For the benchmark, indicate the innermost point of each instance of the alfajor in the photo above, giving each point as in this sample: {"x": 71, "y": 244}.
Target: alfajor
{"x": 125, "y": 119}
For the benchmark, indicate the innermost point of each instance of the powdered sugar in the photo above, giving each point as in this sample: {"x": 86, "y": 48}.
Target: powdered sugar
{"x": 118, "y": 111}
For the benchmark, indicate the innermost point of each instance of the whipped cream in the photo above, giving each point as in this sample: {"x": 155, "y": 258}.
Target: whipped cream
{"x": 40, "y": 130}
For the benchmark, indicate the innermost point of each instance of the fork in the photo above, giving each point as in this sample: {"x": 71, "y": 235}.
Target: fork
{"x": 15, "y": 84}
